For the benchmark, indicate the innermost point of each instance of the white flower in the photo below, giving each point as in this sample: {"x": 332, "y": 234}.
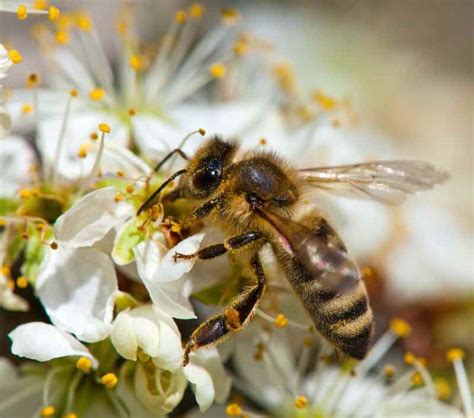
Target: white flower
{"x": 162, "y": 275}
{"x": 5, "y": 64}
{"x": 78, "y": 287}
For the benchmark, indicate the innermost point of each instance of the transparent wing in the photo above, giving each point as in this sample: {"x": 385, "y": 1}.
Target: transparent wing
{"x": 385, "y": 181}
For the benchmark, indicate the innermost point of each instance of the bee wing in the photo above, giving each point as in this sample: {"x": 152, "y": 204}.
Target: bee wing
{"x": 385, "y": 181}
{"x": 334, "y": 269}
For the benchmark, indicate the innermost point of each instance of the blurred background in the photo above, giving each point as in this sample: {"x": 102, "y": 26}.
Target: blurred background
{"x": 407, "y": 68}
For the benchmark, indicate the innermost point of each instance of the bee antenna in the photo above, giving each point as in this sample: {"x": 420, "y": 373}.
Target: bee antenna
{"x": 153, "y": 198}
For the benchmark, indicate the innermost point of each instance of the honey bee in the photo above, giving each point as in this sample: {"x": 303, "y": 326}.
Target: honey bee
{"x": 254, "y": 197}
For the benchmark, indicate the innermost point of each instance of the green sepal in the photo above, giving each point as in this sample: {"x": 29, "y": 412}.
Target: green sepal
{"x": 127, "y": 238}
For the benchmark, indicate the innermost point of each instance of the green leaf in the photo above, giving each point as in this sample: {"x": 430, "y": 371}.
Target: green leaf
{"x": 48, "y": 208}
{"x": 126, "y": 239}
{"x": 219, "y": 293}
{"x": 7, "y": 206}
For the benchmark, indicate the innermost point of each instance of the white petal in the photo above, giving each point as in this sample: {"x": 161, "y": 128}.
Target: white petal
{"x": 172, "y": 297}
{"x": 117, "y": 157}
{"x": 170, "y": 270}
{"x": 44, "y": 342}
{"x": 77, "y": 288}
{"x": 123, "y": 336}
{"x": 5, "y": 121}
{"x": 147, "y": 328}
{"x": 170, "y": 351}
{"x": 91, "y": 218}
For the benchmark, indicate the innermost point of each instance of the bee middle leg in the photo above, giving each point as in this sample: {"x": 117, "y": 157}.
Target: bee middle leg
{"x": 234, "y": 318}
{"x": 232, "y": 243}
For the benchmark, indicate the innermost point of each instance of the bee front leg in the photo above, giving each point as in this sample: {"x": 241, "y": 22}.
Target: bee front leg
{"x": 232, "y": 243}
{"x": 234, "y": 318}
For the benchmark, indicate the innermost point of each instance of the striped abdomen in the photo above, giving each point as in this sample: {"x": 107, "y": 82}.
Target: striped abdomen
{"x": 327, "y": 282}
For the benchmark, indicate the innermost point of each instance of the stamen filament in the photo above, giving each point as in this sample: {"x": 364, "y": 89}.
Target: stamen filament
{"x": 379, "y": 349}
{"x": 272, "y": 319}
{"x": 464, "y": 387}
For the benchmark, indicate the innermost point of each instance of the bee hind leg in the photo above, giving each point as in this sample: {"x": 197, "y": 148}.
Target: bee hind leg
{"x": 234, "y": 318}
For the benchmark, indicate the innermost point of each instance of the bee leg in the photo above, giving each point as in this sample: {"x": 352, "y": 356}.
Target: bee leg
{"x": 234, "y": 318}
{"x": 232, "y": 243}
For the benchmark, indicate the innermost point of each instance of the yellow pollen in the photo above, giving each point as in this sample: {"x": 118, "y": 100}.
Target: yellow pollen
{"x": 64, "y": 21}
{"x": 47, "y": 411}
{"x": 118, "y": 197}
{"x": 70, "y": 415}
{"x": 389, "y": 371}
{"x": 22, "y": 282}
{"x": 285, "y": 76}
{"x": 21, "y": 12}
{"x": 103, "y": 127}
{"x": 454, "y": 354}
{"x": 240, "y": 47}
{"x": 130, "y": 188}
{"x": 217, "y": 70}
{"x": 409, "y": 358}
{"x": 94, "y": 136}
{"x": 54, "y": 245}
{"x": 25, "y": 193}
{"x": 6, "y": 271}
{"x": 233, "y": 410}
{"x": 442, "y": 387}
{"x": 62, "y": 37}
{"x": 73, "y": 93}
{"x": 120, "y": 173}
{"x": 25, "y": 236}
{"x": 83, "y": 22}
{"x": 82, "y": 153}
{"x": 11, "y": 284}
{"x": 121, "y": 27}
{"x": 109, "y": 380}
{"x": 262, "y": 141}
{"x": 136, "y": 62}
{"x": 132, "y": 112}
{"x": 181, "y": 16}
{"x": 26, "y": 108}
{"x": 301, "y": 402}
{"x": 416, "y": 379}
{"x": 84, "y": 364}
{"x": 32, "y": 80}
{"x": 325, "y": 101}
{"x": 97, "y": 94}
{"x": 53, "y": 13}
{"x": 230, "y": 16}
{"x": 400, "y": 327}
{"x": 202, "y": 131}
{"x": 15, "y": 56}
{"x": 196, "y": 10}
{"x": 281, "y": 321}
{"x": 40, "y": 4}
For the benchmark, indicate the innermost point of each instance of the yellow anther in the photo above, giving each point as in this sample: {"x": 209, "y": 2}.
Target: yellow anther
{"x": 11, "y": 284}
{"x": 40, "y": 227}
{"x": 6, "y": 271}
{"x": 120, "y": 173}
{"x": 202, "y": 131}
{"x": 136, "y": 62}
{"x": 118, "y": 197}
{"x": 64, "y": 21}
{"x": 84, "y": 364}
{"x": 389, "y": 371}
{"x": 15, "y": 56}
{"x": 62, "y": 37}
{"x": 416, "y": 379}
{"x": 409, "y": 358}
{"x": 325, "y": 101}
{"x": 132, "y": 112}
{"x": 47, "y": 411}
{"x": 25, "y": 193}
{"x": 230, "y": 16}
{"x": 262, "y": 141}
{"x": 121, "y": 27}
{"x": 32, "y": 80}
{"x": 281, "y": 321}
{"x": 97, "y": 94}
{"x": 82, "y": 153}
{"x": 301, "y": 402}
{"x": 305, "y": 113}
{"x": 73, "y": 93}
{"x": 53, "y": 13}
{"x": 400, "y": 327}
{"x": 454, "y": 354}
{"x": 40, "y": 4}
{"x": 94, "y": 136}
{"x": 109, "y": 380}
{"x": 103, "y": 127}
{"x": 54, "y": 245}
{"x": 196, "y": 10}
{"x": 285, "y": 76}
{"x": 25, "y": 236}
{"x": 443, "y": 389}
{"x": 22, "y": 282}
{"x": 70, "y": 415}
{"x": 240, "y": 47}
{"x": 180, "y": 16}
{"x": 21, "y": 12}
{"x": 26, "y": 108}
{"x": 233, "y": 410}
{"x": 130, "y": 188}
{"x": 83, "y": 22}
{"x": 422, "y": 361}
{"x": 217, "y": 70}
